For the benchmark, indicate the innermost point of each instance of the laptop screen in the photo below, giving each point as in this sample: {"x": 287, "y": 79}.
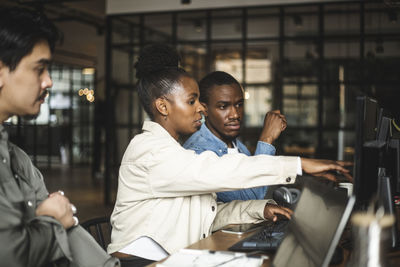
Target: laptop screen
{"x": 315, "y": 228}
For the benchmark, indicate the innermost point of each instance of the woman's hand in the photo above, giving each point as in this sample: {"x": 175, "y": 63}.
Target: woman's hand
{"x": 326, "y": 168}
{"x": 271, "y": 211}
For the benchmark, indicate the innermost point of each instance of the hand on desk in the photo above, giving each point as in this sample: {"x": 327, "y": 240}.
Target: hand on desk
{"x": 273, "y": 212}
{"x": 322, "y": 167}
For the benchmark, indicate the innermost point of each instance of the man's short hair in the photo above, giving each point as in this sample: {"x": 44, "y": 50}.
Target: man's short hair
{"x": 20, "y": 31}
{"x": 212, "y": 79}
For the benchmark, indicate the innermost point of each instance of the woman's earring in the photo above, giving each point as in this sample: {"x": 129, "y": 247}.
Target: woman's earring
{"x": 165, "y": 117}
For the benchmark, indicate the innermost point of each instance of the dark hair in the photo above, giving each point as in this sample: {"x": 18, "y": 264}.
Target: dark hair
{"x": 20, "y": 31}
{"x": 212, "y": 79}
{"x": 158, "y": 71}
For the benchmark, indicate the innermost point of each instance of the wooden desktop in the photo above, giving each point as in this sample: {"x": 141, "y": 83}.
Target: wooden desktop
{"x": 220, "y": 241}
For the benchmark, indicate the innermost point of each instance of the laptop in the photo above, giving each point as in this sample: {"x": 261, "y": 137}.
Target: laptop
{"x": 315, "y": 228}
{"x": 311, "y": 236}
{"x": 267, "y": 239}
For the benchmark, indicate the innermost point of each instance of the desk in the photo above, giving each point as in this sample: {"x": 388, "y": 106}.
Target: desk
{"x": 222, "y": 241}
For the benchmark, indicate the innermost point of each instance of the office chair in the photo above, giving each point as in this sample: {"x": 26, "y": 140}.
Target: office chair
{"x": 100, "y": 229}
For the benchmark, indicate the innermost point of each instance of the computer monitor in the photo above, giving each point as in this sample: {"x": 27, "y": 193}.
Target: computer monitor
{"x": 377, "y": 158}
{"x": 386, "y": 132}
{"x": 367, "y": 151}
{"x": 315, "y": 228}
{"x": 383, "y": 126}
{"x": 375, "y": 149}
{"x": 394, "y": 163}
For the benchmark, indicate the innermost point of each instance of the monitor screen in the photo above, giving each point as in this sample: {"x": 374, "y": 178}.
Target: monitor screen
{"x": 386, "y": 132}
{"x": 375, "y": 149}
{"x": 393, "y": 165}
{"x": 366, "y": 158}
{"x": 383, "y": 127}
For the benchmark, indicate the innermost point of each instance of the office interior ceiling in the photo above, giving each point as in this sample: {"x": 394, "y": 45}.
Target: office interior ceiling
{"x": 91, "y": 12}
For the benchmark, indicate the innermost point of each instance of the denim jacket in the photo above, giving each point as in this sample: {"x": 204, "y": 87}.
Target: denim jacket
{"x": 204, "y": 139}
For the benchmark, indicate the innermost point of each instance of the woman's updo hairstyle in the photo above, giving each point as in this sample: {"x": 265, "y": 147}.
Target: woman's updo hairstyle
{"x": 158, "y": 72}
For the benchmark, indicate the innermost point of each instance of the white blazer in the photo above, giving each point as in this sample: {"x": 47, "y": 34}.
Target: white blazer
{"x": 167, "y": 193}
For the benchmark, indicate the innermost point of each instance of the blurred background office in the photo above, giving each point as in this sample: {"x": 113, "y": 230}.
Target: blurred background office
{"x": 310, "y": 59}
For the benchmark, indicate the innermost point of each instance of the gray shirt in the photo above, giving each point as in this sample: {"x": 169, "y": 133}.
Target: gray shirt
{"x": 26, "y": 239}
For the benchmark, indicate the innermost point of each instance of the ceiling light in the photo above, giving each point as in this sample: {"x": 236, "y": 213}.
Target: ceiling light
{"x": 298, "y": 21}
{"x": 88, "y": 71}
{"x": 198, "y": 26}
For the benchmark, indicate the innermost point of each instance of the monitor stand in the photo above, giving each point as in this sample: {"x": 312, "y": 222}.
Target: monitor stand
{"x": 386, "y": 200}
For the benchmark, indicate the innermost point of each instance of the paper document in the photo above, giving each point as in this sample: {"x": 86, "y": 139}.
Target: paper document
{"x": 206, "y": 258}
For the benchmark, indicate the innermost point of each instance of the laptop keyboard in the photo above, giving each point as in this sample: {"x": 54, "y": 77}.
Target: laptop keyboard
{"x": 268, "y": 238}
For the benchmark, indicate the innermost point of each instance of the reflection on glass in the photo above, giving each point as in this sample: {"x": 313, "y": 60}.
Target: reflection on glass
{"x": 226, "y": 24}
{"x": 257, "y": 104}
{"x": 258, "y": 70}
{"x": 301, "y": 21}
{"x": 193, "y": 59}
{"x": 157, "y": 28}
{"x": 300, "y": 104}
{"x": 232, "y": 66}
{"x": 263, "y": 22}
{"x": 340, "y": 18}
{"x": 192, "y": 26}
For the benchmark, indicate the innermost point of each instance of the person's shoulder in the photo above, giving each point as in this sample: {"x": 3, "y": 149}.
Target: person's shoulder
{"x": 151, "y": 132}
{"x": 193, "y": 139}
{"x": 19, "y": 153}
{"x": 197, "y": 141}
{"x": 149, "y": 144}
{"x": 242, "y": 147}
{"x": 22, "y": 163}
{"x": 147, "y": 140}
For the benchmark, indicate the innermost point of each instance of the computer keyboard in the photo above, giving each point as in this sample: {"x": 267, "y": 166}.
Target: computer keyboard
{"x": 268, "y": 238}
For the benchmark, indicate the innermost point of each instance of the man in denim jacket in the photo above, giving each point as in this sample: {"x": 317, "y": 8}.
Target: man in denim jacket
{"x": 222, "y": 97}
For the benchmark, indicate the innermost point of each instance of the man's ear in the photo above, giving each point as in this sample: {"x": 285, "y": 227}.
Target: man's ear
{"x": 161, "y": 106}
{"x": 205, "y": 108}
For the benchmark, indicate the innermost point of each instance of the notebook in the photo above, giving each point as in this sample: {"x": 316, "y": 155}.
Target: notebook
{"x": 315, "y": 228}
